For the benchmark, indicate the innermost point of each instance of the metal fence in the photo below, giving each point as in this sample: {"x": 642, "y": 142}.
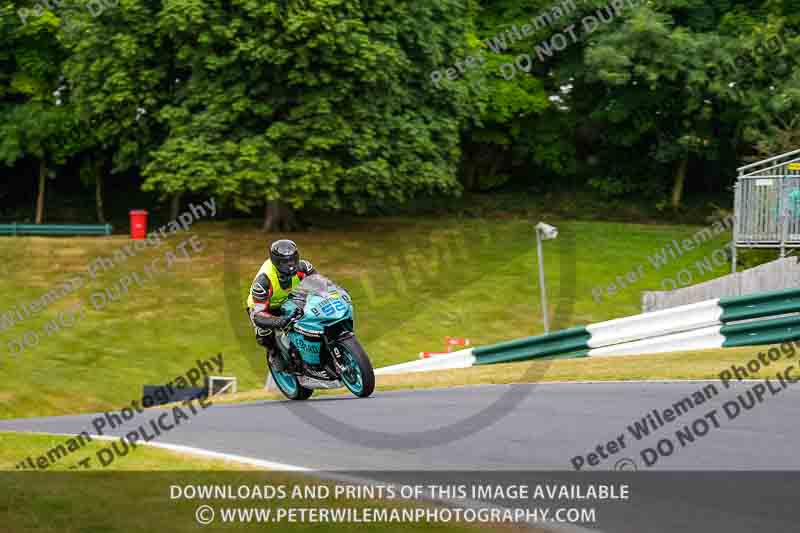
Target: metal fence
{"x": 766, "y": 212}
{"x": 767, "y": 204}
{"x": 55, "y": 229}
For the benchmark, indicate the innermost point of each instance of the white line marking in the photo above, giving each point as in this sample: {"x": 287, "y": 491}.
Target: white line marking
{"x": 271, "y": 465}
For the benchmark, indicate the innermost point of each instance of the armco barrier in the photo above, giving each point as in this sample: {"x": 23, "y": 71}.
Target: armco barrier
{"x": 762, "y": 332}
{"x": 693, "y": 316}
{"x": 655, "y": 324}
{"x": 765, "y": 304}
{"x": 568, "y": 341}
{"x": 753, "y": 333}
{"x": 739, "y": 321}
{"x": 589, "y": 340}
{"x": 696, "y": 339}
{"x": 460, "y": 359}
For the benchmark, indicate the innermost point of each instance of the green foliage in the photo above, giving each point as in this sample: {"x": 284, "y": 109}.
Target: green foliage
{"x": 120, "y": 71}
{"x": 327, "y": 105}
{"x": 330, "y": 103}
{"x": 753, "y": 257}
{"x": 35, "y": 118}
{"x": 652, "y": 76}
{"x": 501, "y": 133}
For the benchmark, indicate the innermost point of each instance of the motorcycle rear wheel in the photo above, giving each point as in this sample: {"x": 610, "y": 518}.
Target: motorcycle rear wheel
{"x": 288, "y": 384}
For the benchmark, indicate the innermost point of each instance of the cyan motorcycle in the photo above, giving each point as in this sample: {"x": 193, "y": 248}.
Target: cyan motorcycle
{"x": 319, "y": 346}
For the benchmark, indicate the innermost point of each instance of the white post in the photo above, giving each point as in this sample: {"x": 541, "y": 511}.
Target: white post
{"x": 541, "y": 281}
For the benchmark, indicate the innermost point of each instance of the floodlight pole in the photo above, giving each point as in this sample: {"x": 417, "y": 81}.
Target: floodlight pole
{"x": 541, "y": 280}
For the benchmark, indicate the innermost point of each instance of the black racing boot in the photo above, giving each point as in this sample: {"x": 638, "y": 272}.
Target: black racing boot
{"x": 276, "y": 362}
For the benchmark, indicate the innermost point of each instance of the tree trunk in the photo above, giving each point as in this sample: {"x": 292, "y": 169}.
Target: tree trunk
{"x": 468, "y": 176}
{"x": 496, "y": 162}
{"x": 677, "y": 185}
{"x": 469, "y": 168}
{"x": 40, "y": 197}
{"x": 175, "y": 205}
{"x": 98, "y": 191}
{"x": 278, "y": 217}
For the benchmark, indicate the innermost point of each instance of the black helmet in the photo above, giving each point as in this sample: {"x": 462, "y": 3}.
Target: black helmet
{"x": 285, "y": 256}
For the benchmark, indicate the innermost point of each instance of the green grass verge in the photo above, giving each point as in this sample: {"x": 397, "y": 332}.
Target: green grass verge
{"x": 414, "y": 281}
{"x": 699, "y": 364}
{"x": 16, "y": 447}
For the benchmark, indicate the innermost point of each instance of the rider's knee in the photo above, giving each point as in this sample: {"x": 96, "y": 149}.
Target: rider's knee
{"x": 264, "y": 337}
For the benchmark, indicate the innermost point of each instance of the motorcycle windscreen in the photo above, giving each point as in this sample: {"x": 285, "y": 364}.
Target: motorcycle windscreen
{"x": 324, "y": 303}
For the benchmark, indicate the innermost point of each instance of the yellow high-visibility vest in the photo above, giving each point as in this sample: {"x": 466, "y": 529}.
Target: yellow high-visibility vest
{"x": 279, "y": 294}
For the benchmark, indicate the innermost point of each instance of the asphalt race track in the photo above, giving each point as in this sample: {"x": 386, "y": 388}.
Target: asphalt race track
{"x": 489, "y": 427}
{"x": 526, "y": 434}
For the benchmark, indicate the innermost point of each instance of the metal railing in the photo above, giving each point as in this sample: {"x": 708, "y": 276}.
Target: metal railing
{"x": 767, "y": 204}
{"x": 753, "y": 166}
{"x": 55, "y": 229}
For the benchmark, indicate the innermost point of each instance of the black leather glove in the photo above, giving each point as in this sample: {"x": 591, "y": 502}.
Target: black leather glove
{"x": 270, "y": 322}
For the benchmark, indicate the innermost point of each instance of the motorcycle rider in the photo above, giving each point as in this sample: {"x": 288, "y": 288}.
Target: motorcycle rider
{"x": 280, "y": 273}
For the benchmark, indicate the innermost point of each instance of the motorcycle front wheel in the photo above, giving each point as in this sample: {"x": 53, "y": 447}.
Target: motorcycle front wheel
{"x": 357, "y": 375}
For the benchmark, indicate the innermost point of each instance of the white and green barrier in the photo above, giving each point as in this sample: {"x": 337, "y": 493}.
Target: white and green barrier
{"x": 572, "y": 341}
{"x": 762, "y": 318}
{"x": 460, "y": 359}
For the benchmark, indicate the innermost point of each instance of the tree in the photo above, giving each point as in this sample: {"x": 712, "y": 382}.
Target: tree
{"x": 35, "y": 120}
{"x": 121, "y": 73}
{"x": 326, "y": 105}
{"x": 660, "y": 81}
{"x": 511, "y": 129}
{"x": 765, "y": 89}
{"x": 650, "y": 86}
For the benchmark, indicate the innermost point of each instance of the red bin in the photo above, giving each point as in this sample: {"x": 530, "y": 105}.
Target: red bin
{"x": 138, "y": 224}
